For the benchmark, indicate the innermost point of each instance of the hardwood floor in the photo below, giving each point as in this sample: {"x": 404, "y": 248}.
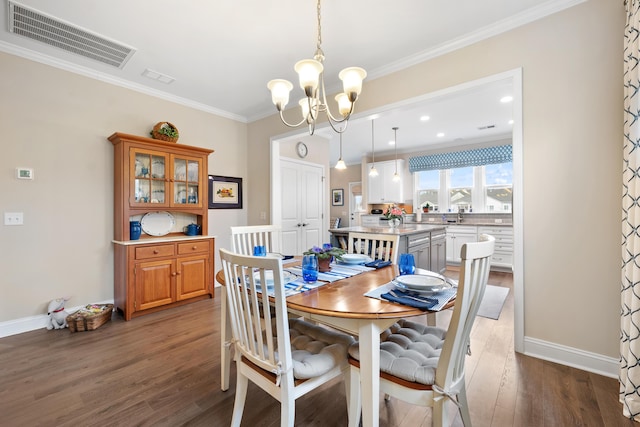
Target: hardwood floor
{"x": 164, "y": 370}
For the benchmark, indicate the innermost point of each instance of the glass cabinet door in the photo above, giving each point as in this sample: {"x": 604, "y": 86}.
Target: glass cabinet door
{"x": 149, "y": 177}
{"x": 186, "y": 181}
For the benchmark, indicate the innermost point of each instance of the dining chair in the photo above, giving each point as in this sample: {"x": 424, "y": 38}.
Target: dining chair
{"x": 264, "y": 351}
{"x": 377, "y": 246}
{"x": 244, "y": 238}
{"x": 424, "y": 365}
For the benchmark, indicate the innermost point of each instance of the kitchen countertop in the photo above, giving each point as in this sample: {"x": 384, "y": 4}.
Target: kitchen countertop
{"x": 471, "y": 222}
{"x": 402, "y": 230}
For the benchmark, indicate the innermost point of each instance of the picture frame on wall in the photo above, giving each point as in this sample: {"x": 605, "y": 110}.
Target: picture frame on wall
{"x": 337, "y": 197}
{"x": 225, "y": 192}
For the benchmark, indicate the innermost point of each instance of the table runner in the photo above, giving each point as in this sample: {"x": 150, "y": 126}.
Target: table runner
{"x": 338, "y": 272}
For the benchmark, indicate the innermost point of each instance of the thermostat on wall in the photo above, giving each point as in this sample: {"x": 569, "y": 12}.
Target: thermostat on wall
{"x": 24, "y": 173}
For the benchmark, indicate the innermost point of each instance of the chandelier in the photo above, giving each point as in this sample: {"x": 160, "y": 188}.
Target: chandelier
{"x": 311, "y": 78}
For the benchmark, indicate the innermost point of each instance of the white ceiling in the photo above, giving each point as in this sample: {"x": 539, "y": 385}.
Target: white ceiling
{"x": 222, "y": 53}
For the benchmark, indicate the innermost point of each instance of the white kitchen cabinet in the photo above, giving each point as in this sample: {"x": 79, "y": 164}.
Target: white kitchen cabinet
{"x": 382, "y": 188}
{"x": 503, "y": 249}
{"x": 458, "y": 235}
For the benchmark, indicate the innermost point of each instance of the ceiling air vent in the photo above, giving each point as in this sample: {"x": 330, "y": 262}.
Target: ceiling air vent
{"x": 54, "y": 32}
{"x": 486, "y": 127}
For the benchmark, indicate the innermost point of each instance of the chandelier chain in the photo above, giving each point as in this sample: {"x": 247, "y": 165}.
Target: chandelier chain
{"x": 319, "y": 48}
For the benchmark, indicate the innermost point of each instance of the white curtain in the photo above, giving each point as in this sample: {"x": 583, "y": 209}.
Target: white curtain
{"x": 630, "y": 312}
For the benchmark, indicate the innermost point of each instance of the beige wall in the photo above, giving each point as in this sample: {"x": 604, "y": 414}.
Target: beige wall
{"x": 572, "y": 108}
{"x": 341, "y": 179}
{"x": 57, "y": 123}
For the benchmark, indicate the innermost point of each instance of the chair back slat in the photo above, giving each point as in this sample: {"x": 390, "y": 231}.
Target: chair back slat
{"x": 377, "y": 246}
{"x": 250, "y": 311}
{"x": 474, "y": 274}
{"x": 244, "y": 238}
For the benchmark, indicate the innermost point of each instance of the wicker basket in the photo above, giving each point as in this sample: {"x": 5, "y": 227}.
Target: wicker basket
{"x": 83, "y": 320}
{"x": 157, "y": 135}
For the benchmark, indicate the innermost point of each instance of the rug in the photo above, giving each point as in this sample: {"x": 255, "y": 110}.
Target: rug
{"x": 492, "y": 302}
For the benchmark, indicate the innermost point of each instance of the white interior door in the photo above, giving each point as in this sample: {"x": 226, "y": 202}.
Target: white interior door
{"x": 302, "y": 213}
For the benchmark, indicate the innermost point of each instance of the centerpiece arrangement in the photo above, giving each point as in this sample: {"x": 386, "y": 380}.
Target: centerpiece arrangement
{"x": 394, "y": 215}
{"x": 325, "y": 254}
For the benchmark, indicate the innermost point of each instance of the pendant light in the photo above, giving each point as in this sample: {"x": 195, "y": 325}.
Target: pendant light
{"x": 396, "y": 176}
{"x": 373, "y": 171}
{"x": 341, "y": 165}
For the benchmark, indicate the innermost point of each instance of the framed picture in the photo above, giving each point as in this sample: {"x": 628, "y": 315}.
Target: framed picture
{"x": 337, "y": 197}
{"x": 225, "y": 192}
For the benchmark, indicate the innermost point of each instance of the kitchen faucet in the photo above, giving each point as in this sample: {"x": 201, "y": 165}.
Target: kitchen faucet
{"x": 459, "y": 219}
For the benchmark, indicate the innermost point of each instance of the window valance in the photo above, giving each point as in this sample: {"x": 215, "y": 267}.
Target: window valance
{"x": 461, "y": 159}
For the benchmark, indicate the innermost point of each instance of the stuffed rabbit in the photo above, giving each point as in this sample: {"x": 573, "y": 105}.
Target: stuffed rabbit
{"x": 57, "y": 314}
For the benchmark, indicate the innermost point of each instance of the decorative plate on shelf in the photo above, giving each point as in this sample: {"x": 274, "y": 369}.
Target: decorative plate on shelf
{"x": 157, "y": 223}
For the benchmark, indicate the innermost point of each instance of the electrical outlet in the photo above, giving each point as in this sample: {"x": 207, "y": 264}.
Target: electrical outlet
{"x": 263, "y": 215}
{"x": 498, "y": 220}
{"x": 13, "y": 218}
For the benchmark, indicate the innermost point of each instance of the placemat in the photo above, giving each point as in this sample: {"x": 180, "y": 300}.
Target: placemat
{"x": 443, "y": 297}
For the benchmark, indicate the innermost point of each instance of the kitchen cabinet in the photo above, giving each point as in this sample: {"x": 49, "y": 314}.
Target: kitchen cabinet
{"x": 503, "y": 249}
{"x": 458, "y": 235}
{"x": 438, "y": 252}
{"x": 382, "y": 188}
{"x": 158, "y": 272}
{"x": 419, "y": 245}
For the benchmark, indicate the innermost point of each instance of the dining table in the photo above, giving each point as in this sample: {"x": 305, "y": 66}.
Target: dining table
{"x": 342, "y": 304}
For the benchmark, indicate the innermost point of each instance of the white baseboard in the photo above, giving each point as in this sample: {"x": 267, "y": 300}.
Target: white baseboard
{"x": 568, "y": 356}
{"x": 31, "y": 323}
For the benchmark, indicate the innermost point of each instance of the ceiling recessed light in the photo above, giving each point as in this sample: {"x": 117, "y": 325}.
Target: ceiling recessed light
{"x": 440, "y": 134}
{"x": 511, "y": 121}
{"x": 424, "y": 118}
{"x": 506, "y": 99}
{"x": 392, "y": 142}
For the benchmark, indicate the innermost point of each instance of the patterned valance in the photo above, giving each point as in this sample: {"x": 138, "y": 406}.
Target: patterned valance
{"x": 461, "y": 159}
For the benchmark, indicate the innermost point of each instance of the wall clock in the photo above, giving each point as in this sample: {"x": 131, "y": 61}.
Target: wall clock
{"x": 302, "y": 149}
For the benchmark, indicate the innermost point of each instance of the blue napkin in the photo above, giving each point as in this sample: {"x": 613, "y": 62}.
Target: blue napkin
{"x": 378, "y": 263}
{"x": 410, "y": 299}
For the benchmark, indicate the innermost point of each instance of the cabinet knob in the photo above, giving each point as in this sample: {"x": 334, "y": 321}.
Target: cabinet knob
{"x": 173, "y": 274}
{"x": 194, "y": 248}
{"x": 155, "y": 252}
{"x": 178, "y": 273}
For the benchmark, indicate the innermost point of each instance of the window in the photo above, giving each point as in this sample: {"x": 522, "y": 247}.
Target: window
{"x": 461, "y": 189}
{"x": 428, "y": 188}
{"x": 498, "y": 187}
{"x": 487, "y": 188}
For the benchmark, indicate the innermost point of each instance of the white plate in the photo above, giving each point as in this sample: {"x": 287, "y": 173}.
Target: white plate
{"x": 286, "y": 276}
{"x": 157, "y": 223}
{"x": 422, "y": 282}
{"x": 355, "y": 259}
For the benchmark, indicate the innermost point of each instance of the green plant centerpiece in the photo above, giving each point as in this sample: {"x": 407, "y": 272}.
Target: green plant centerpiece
{"x": 325, "y": 254}
{"x": 426, "y": 206}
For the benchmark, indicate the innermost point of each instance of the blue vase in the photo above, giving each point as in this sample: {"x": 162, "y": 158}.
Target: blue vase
{"x": 135, "y": 229}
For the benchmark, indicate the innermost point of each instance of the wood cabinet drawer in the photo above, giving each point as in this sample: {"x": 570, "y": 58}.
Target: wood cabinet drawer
{"x": 158, "y": 251}
{"x": 193, "y": 247}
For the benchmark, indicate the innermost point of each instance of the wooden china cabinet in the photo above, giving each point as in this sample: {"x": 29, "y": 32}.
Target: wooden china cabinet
{"x": 163, "y": 185}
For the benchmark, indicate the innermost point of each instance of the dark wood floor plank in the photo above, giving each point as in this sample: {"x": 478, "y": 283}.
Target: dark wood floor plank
{"x": 164, "y": 370}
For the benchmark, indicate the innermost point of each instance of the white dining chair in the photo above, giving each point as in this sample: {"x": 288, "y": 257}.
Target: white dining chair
{"x": 424, "y": 365}
{"x": 377, "y": 246}
{"x": 244, "y": 238}
{"x": 263, "y": 350}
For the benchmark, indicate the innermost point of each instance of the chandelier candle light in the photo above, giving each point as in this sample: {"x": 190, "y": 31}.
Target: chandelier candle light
{"x": 311, "y": 78}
